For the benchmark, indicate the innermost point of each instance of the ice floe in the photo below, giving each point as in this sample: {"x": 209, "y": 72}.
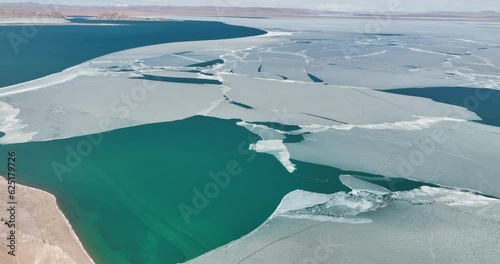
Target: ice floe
{"x": 12, "y": 126}
{"x": 276, "y": 148}
{"x": 357, "y": 184}
{"x": 423, "y": 225}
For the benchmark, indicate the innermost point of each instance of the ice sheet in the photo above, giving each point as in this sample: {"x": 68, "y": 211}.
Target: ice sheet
{"x": 441, "y": 226}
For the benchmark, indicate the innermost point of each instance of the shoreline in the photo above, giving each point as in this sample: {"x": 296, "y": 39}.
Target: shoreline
{"x": 68, "y": 224}
{"x": 36, "y": 240}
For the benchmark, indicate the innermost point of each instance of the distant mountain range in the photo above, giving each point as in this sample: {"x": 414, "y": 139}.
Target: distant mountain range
{"x": 19, "y": 12}
{"x": 134, "y": 12}
{"x": 116, "y": 16}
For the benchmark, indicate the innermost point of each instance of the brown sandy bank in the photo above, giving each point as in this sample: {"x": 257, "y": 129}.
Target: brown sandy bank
{"x": 43, "y": 235}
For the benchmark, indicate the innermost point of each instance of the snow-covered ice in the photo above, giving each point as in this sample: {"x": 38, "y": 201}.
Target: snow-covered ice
{"x": 426, "y": 225}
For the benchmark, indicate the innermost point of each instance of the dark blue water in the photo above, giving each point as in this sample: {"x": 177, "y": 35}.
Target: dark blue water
{"x": 29, "y": 53}
{"x": 177, "y": 79}
{"x": 483, "y": 102}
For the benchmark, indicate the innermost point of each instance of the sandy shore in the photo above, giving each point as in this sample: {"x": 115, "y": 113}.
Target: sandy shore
{"x": 43, "y": 234}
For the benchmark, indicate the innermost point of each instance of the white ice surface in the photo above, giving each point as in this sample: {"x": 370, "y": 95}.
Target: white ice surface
{"x": 427, "y": 225}
{"x": 449, "y": 153}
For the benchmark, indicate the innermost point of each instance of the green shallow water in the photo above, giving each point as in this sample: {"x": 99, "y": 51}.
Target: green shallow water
{"x": 123, "y": 198}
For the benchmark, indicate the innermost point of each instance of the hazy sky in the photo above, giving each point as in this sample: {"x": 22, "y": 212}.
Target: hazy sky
{"x": 357, "y": 5}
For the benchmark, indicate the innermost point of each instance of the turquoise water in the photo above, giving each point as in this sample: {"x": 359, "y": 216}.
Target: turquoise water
{"x": 46, "y": 49}
{"x": 158, "y": 193}
{"x": 124, "y": 197}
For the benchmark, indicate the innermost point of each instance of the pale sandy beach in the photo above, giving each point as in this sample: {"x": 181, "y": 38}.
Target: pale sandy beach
{"x": 43, "y": 234}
